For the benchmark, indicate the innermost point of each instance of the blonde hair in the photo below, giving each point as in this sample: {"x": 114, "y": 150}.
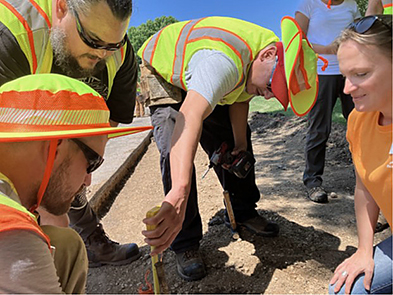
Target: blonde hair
{"x": 378, "y": 35}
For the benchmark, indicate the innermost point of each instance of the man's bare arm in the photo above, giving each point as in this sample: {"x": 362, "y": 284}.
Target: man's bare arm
{"x": 374, "y": 7}
{"x": 238, "y": 114}
{"x": 185, "y": 140}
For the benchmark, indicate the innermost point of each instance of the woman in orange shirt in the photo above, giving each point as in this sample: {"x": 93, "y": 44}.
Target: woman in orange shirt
{"x": 365, "y": 59}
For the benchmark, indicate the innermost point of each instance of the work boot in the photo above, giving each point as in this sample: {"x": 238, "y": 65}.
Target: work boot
{"x": 317, "y": 194}
{"x": 258, "y": 225}
{"x": 102, "y": 250}
{"x": 190, "y": 266}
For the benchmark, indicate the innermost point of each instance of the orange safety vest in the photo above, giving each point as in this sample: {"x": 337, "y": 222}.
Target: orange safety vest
{"x": 13, "y": 216}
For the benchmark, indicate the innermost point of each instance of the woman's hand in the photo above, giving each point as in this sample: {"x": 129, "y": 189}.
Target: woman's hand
{"x": 350, "y": 268}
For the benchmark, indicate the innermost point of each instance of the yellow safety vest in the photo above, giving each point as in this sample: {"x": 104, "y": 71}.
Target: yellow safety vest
{"x": 170, "y": 50}
{"x": 387, "y": 6}
{"x": 30, "y": 23}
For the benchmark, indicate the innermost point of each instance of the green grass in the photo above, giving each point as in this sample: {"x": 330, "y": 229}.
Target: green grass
{"x": 259, "y": 104}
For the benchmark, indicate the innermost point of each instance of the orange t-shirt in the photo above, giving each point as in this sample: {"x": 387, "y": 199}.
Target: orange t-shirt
{"x": 372, "y": 149}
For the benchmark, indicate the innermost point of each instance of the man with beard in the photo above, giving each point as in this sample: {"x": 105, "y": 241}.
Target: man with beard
{"x": 47, "y": 157}
{"x": 87, "y": 40}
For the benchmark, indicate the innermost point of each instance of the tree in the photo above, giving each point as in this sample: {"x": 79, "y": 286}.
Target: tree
{"x": 138, "y": 35}
{"x": 362, "y": 4}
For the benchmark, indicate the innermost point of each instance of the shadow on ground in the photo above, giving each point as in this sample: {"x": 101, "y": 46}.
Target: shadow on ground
{"x": 247, "y": 266}
{"x": 313, "y": 240}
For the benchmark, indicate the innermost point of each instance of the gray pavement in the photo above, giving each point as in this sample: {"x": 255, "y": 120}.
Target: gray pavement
{"x": 120, "y": 154}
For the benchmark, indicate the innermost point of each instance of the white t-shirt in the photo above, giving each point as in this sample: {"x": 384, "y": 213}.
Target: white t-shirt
{"x": 212, "y": 74}
{"x": 325, "y": 25}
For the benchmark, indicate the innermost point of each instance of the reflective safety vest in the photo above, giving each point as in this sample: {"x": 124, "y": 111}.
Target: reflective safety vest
{"x": 13, "y": 216}
{"x": 170, "y": 50}
{"x": 387, "y": 6}
{"x": 30, "y": 22}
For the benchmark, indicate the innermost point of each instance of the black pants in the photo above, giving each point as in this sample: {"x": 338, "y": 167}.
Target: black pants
{"x": 319, "y": 125}
{"x": 216, "y": 129}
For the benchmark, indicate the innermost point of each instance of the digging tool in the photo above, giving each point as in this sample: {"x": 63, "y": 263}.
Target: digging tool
{"x": 159, "y": 279}
{"x": 231, "y": 215}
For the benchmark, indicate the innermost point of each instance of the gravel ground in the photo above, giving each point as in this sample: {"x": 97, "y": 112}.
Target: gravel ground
{"x": 313, "y": 240}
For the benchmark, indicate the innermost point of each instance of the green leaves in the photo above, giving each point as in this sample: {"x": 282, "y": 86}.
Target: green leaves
{"x": 362, "y": 4}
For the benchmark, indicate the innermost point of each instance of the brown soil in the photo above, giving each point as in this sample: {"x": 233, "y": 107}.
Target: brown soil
{"x": 313, "y": 240}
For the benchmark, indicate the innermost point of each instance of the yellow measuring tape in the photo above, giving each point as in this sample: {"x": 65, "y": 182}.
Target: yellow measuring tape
{"x": 154, "y": 259}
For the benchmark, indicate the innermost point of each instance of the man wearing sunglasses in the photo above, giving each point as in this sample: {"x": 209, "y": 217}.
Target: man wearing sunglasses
{"x": 86, "y": 40}
{"x": 218, "y": 64}
{"x": 48, "y": 156}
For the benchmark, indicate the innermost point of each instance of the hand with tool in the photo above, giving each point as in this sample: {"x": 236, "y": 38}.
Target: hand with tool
{"x": 167, "y": 223}
{"x": 238, "y": 114}
{"x": 238, "y": 162}
{"x": 159, "y": 279}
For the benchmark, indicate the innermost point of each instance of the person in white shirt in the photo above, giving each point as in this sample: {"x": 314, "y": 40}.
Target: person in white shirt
{"x": 322, "y": 21}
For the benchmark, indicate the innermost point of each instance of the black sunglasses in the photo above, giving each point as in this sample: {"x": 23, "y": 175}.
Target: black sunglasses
{"x": 366, "y": 23}
{"x": 93, "y": 159}
{"x": 89, "y": 42}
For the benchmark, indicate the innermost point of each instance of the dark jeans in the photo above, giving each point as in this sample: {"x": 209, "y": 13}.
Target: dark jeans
{"x": 216, "y": 129}
{"x": 319, "y": 125}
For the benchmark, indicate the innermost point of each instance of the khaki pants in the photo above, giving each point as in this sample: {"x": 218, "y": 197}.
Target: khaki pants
{"x": 70, "y": 258}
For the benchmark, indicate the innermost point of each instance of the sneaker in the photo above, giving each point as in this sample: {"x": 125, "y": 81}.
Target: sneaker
{"x": 190, "y": 266}
{"x": 260, "y": 226}
{"x": 102, "y": 250}
{"x": 317, "y": 194}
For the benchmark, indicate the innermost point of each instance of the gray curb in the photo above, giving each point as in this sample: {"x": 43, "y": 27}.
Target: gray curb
{"x": 103, "y": 199}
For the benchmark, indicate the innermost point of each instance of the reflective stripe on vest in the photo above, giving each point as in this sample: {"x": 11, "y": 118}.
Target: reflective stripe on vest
{"x": 300, "y": 78}
{"x": 13, "y": 216}
{"x": 30, "y": 23}
{"x": 178, "y": 62}
{"x": 235, "y": 42}
{"x": 170, "y": 50}
{"x": 113, "y": 64}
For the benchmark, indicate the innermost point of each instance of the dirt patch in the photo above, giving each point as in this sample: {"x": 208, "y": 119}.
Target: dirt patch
{"x": 313, "y": 240}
